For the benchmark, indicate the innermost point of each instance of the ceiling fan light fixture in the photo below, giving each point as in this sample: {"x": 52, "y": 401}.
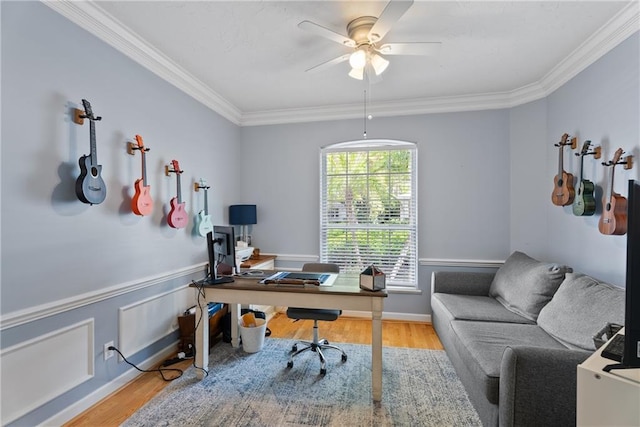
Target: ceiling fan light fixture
{"x": 357, "y": 73}
{"x": 379, "y": 64}
{"x": 358, "y": 59}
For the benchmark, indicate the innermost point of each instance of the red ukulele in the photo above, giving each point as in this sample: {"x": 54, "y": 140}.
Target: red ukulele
{"x": 177, "y": 217}
{"x": 614, "y": 206}
{"x": 141, "y": 203}
{"x": 563, "y": 191}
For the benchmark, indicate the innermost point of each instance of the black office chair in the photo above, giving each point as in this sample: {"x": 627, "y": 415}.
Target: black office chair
{"x": 315, "y": 314}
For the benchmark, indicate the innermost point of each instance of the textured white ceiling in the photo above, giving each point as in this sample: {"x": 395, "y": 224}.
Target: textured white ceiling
{"x": 253, "y": 56}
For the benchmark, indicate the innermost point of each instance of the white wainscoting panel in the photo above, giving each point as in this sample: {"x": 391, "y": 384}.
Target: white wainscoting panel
{"x": 38, "y": 370}
{"x": 146, "y": 321}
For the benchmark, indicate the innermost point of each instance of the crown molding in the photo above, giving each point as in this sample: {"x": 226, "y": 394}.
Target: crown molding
{"x": 95, "y": 20}
{"x": 92, "y": 18}
{"x": 610, "y": 35}
{"x": 408, "y": 107}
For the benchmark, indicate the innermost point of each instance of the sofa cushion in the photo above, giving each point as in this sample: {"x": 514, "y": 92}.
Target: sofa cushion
{"x": 580, "y": 308}
{"x": 525, "y": 285}
{"x": 474, "y": 307}
{"x": 481, "y": 344}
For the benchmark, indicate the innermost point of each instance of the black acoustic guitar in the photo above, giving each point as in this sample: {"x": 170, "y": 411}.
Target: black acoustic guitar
{"x": 90, "y": 187}
{"x": 584, "y": 204}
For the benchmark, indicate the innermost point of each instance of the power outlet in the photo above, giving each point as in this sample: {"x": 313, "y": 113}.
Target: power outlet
{"x": 108, "y": 354}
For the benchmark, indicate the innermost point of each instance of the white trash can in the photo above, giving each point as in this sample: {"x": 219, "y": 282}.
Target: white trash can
{"x": 253, "y": 337}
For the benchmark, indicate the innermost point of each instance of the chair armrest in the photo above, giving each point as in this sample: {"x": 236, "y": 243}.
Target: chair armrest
{"x": 461, "y": 282}
{"x": 538, "y": 386}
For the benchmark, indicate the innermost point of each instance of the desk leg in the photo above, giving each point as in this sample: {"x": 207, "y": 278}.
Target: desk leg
{"x": 235, "y": 311}
{"x": 376, "y": 349}
{"x": 202, "y": 341}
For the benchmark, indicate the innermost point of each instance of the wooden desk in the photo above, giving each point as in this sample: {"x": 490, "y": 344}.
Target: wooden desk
{"x": 345, "y": 294}
{"x": 261, "y": 262}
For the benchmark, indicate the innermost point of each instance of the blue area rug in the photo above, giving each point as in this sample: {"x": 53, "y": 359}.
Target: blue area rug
{"x": 420, "y": 388}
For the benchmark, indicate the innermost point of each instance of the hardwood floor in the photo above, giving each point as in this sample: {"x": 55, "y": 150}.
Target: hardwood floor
{"x": 116, "y": 408}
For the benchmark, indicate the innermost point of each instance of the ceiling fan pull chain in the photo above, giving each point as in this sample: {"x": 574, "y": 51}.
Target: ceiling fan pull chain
{"x": 365, "y": 114}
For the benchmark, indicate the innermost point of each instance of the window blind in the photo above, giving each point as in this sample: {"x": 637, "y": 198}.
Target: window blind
{"x": 369, "y": 208}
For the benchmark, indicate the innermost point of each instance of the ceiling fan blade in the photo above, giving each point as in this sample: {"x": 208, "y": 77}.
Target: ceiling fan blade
{"x": 329, "y": 63}
{"x": 326, "y": 33}
{"x": 417, "y": 48}
{"x": 389, "y": 16}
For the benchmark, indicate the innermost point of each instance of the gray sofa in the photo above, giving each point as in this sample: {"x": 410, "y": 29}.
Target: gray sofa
{"x": 516, "y": 337}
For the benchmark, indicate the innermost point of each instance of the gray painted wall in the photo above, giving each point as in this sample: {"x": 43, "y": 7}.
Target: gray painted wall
{"x": 463, "y": 185}
{"x": 601, "y": 104}
{"x": 55, "y": 248}
{"x": 58, "y": 245}
{"x": 485, "y": 178}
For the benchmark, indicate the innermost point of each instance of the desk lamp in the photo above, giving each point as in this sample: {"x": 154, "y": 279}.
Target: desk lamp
{"x": 243, "y": 215}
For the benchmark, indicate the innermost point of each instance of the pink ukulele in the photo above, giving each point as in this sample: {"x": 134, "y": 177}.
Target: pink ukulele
{"x": 177, "y": 217}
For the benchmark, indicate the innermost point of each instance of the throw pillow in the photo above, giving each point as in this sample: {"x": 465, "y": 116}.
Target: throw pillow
{"x": 581, "y": 307}
{"x": 524, "y": 285}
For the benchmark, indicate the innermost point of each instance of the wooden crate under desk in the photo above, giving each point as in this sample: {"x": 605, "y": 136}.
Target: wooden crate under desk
{"x": 187, "y": 324}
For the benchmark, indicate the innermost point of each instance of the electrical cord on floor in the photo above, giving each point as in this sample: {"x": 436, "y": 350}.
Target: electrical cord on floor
{"x": 161, "y": 371}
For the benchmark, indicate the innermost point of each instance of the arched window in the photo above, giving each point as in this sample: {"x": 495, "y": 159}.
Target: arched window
{"x": 368, "y": 200}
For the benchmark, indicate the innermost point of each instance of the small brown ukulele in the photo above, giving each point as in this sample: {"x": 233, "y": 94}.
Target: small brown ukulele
{"x": 614, "y": 206}
{"x": 563, "y": 191}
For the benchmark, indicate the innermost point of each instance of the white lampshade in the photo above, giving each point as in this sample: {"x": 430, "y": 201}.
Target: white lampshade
{"x": 379, "y": 64}
{"x": 357, "y": 73}
{"x": 358, "y": 59}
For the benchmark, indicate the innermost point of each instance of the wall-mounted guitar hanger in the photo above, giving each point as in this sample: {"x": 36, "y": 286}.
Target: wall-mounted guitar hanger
{"x": 596, "y": 153}
{"x": 627, "y": 162}
{"x": 168, "y": 170}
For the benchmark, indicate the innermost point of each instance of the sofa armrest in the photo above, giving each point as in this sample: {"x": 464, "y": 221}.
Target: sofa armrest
{"x": 461, "y": 282}
{"x": 538, "y": 386}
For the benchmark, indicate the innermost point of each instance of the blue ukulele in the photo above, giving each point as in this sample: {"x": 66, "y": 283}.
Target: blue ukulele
{"x": 205, "y": 225}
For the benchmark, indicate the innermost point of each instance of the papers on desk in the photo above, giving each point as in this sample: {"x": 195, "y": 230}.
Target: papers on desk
{"x": 288, "y": 278}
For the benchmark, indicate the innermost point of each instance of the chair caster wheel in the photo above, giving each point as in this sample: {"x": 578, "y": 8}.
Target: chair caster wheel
{"x": 289, "y": 365}
{"x": 294, "y": 348}
{"x": 344, "y": 357}
{"x": 323, "y": 372}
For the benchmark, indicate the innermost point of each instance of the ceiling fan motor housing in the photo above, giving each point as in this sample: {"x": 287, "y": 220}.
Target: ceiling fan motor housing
{"x": 359, "y": 29}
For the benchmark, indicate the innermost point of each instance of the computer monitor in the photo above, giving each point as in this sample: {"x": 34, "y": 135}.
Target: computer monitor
{"x": 222, "y": 252}
{"x": 631, "y": 341}
{"x": 631, "y": 354}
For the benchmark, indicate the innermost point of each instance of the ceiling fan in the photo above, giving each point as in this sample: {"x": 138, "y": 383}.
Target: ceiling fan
{"x": 365, "y": 36}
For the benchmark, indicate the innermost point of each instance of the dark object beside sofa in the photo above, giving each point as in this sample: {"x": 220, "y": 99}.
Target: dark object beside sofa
{"x": 516, "y": 337}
